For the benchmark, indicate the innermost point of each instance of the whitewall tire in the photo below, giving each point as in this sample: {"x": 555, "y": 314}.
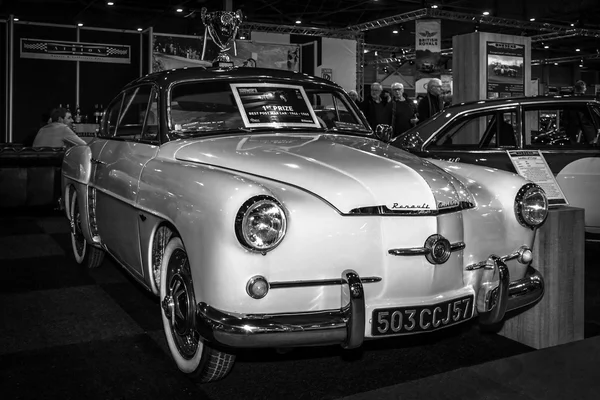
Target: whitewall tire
{"x": 84, "y": 254}
{"x": 178, "y": 310}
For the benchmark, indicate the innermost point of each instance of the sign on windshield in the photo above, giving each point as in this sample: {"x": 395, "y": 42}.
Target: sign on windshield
{"x": 274, "y": 105}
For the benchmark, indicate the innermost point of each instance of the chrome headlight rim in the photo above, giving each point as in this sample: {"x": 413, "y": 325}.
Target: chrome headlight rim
{"x": 523, "y": 194}
{"x": 240, "y": 221}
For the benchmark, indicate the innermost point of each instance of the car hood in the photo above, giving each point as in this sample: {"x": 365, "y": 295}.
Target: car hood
{"x": 351, "y": 173}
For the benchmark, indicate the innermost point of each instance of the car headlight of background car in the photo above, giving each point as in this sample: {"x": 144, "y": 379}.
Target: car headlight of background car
{"x": 260, "y": 224}
{"x": 531, "y": 206}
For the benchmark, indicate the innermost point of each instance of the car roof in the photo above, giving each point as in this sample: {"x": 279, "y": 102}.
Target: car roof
{"x": 519, "y": 100}
{"x": 167, "y": 77}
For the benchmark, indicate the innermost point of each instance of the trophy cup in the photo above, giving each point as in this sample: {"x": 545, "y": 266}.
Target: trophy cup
{"x": 222, "y": 26}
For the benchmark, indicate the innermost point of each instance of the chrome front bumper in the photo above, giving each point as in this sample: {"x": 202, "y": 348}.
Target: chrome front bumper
{"x": 346, "y": 326}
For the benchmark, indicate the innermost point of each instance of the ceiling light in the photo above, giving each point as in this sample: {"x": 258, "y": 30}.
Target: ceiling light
{"x": 577, "y": 49}
{"x": 434, "y": 6}
{"x": 179, "y": 10}
{"x": 486, "y": 13}
{"x": 139, "y": 29}
{"x": 15, "y": 19}
{"x": 555, "y": 63}
{"x": 242, "y": 37}
{"x": 298, "y": 21}
{"x": 581, "y": 65}
{"x": 546, "y": 47}
{"x": 110, "y": 3}
{"x": 395, "y": 31}
{"x": 572, "y": 24}
{"x": 532, "y": 19}
{"x": 80, "y": 24}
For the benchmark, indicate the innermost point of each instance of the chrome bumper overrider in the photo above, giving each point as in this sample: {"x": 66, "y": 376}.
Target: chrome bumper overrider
{"x": 346, "y": 326}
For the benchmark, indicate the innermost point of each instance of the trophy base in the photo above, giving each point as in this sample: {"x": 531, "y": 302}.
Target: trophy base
{"x": 222, "y": 64}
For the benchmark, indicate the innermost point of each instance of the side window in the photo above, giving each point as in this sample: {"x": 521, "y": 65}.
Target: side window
{"x": 572, "y": 125}
{"x": 486, "y": 130}
{"x": 133, "y": 112}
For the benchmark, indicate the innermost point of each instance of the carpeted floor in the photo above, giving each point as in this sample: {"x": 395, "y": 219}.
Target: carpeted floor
{"x": 71, "y": 333}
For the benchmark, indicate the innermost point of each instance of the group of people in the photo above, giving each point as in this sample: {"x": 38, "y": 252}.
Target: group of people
{"x": 58, "y": 132}
{"x": 397, "y": 109}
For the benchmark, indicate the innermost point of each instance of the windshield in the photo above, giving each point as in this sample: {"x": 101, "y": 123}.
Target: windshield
{"x": 206, "y": 108}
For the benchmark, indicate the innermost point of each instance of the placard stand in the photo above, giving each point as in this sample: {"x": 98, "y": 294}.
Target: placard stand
{"x": 558, "y": 254}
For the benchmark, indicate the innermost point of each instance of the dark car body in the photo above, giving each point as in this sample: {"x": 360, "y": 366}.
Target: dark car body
{"x": 481, "y": 132}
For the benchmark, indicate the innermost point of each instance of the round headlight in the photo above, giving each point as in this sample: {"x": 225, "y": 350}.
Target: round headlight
{"x": 531, "y": 206}
{"x": 261, "y": 224}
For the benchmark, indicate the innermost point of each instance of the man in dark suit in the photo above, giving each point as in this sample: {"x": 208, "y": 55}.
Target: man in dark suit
{"x": 432, "y": 102}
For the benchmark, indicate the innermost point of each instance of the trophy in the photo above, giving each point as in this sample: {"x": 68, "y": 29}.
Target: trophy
{"x": 222, "y": 26}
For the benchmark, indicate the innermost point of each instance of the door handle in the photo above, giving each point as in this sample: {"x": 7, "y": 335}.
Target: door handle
{"x": 95, "y": 161}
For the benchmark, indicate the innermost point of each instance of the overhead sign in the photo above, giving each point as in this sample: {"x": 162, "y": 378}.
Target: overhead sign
{"x": 75, "y": 51}
{"x": 272, "y": 105}
{"x": 428, "y": 53}
{"x": 531, "y": 164}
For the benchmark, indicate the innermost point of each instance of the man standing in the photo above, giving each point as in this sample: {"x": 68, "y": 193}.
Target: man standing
{"x": 580, "y": 88}
{"x": 58, "y": 133}
{"x": 376, "y": 107}
{"x": 432, "y": 102}
{"x": 403, "y": 110}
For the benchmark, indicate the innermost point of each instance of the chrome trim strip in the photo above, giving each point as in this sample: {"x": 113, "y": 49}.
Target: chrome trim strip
{"x": 422, "y": 251}
{"x": 320, "y": 282}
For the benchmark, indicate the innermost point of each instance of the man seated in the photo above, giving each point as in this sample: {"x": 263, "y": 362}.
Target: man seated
{"x": 58, "y": 133}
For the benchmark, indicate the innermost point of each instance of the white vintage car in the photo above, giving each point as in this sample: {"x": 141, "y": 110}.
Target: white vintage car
{"x": 263, "y": 211}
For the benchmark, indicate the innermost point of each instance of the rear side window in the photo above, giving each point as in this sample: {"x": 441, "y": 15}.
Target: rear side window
{"x": 570, "y": 125}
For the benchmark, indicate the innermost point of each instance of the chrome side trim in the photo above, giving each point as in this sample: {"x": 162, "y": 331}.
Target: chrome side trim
{"x": 423, "y": 251}
{"x": 384, "y": 210}
{"x": 320, "y": 282}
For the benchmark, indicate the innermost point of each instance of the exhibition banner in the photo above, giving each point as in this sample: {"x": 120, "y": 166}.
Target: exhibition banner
{"x": 178, "y": 51}
{"x": 505, "y": 72}
{"x": 75, "y": 51}
{"x": 428, "y": 37}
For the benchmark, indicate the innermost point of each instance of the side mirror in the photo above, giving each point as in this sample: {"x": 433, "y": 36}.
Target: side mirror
{"x": 384, "y": 132}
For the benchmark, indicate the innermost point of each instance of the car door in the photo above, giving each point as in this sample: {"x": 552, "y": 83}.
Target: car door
{"x": 558, "y": 131}
{"x": 479, "y": 137}
{"x": 129, "y": 146}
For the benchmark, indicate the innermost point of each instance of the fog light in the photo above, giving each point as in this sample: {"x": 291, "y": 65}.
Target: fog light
{"x": 525, "y": 255}
{"x": 257, "y": 287}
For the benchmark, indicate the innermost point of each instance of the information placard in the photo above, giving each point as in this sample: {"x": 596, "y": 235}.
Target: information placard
{"x": 272, "y": 105}
{"x": 532, "y": 165}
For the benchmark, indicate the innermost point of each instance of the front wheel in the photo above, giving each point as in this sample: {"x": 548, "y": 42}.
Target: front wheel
{"x": 85, "y": 254}
{"x": 178, "y": 309}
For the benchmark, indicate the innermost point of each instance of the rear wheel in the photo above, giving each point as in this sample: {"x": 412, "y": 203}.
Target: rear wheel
{"x": 84, "y": 254}
{"x": 178, "y": 309}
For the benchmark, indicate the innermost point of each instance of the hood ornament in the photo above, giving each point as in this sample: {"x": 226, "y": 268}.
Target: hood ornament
{"x": 222, "y": 26}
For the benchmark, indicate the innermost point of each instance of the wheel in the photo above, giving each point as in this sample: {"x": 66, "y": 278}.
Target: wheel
{"x": 190, "y": 352}
{"x": 84, "y": 254}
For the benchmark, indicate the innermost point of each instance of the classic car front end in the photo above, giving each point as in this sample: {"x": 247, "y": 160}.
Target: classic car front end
{"x": 264, "y": 213}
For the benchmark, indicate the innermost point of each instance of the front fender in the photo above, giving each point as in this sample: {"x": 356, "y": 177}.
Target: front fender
{"x": 492, "y": 225}
{"x": 77, "y": 164}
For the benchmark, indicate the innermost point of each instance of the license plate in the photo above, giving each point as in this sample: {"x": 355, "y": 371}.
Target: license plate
{"x": 405, "y": 320}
